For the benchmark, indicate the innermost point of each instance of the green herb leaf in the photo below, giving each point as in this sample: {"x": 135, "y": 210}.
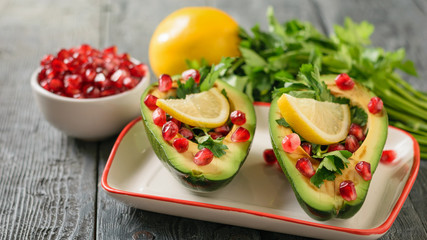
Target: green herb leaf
{"x": 358, "y": 116}
{"x": 282, "y": 122}
{"x": 189, "y": 87}
{"x": 215, "y": 72}
{"x": 331, "y": 165}
{"x": 216, "y": 146}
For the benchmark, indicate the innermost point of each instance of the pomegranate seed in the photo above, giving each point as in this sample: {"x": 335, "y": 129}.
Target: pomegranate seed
{"x": 224, "y": 130}
{"x": 305, "y": 167}
{"x": 357, "y": 131}
{"x": 388, "y": 156}
{"x": 344, "y": 82}
{"x": 165, "y": 83}
{"x": 336, "y": 147}
{"x": 364, "y": 170}
{"x": 45, "y": 84}
{"x": 56, "y": 85}
{"x": 159, "y": 117}
{"x": 130, "y": 82}
{"x": 46, "y": 60}
{"x": 90, "y": 75}
{"x": 169, "y": 130}
{"x": 240, "y": 135}
{"x": 215, "y": 135}
{"x": 351, "y": 143}
{"x": 347, "y": 190}
{"x": 110, "y": 50}
{"x": 187, "y": 133}
{"x": 90, "y": 91}
{"x": 64, "y": 54}
{"x": 176, "y": 121}
{"x": 291, "y": 142}
{"x": 150, "y": 102}
{"x": 203, "y": 157}
{"x": 193, "y": 73}
{"x": 139, "y": 70}
{"x": 180, "y": 144}
{"x": 238, "y": 117}
{"x": 58, "y": 66}
{"x": 109, "y": 92}
{"x": 269, "y": 156}
{"x": 375, "y": 105}
{"x": 74, "y": 80}
{"x": 118, "y": 76}
{"x": 307, "y": 147}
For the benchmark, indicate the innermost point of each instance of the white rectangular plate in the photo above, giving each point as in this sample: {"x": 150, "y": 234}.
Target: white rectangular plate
{"x": 259, "y": 196}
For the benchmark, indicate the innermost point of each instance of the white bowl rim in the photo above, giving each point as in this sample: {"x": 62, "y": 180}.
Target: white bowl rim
{"x": 37, "y": 87}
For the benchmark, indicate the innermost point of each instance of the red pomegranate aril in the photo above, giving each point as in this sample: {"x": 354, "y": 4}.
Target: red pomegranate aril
{"x": 347, "y": 190}
{"x": 180, "y": 144}
{"x": 193, "y": 73}
{"x": 130, "y": 82}
{"x": 187, "y": 133}
{"x": 291, "y": 142}
{"x": 45, "y": 84}
{"x": 388, "y": 156}
{"x": 269, "y": 156}
{"x": 336, "y": 147}
{"x": 357, "y": 131}
{"x": 215, "y": 135}
{"x": 240, "y": 135}
{"x": 238, "y": 117}
{"x": 46, "y": 60}
{"x": 139, "y": 70}
{"x": 375, "y": 105}
{"x": 224, "y": 129}
{"x": 159, "y": 117}
{"x": 364, "y": 170}
{"x": 203, "y": 157}
{"x": 176, "y": 121}
{"x": 307, "y": 147}
{"x": 344, "y": 82}
{"x": 56, "y": 85}
{"x": 305, "y": 167}
{"x": 74, "y": 80}
{"x": 169, "y": 130}
{"x": 72, "y": 90}
{"x": 58, "y": 66}
{"x": 351, "y": 143}
{"x": 109, "y": 92}
{"x": 90, "y": 91}
{"x": 165, "y": 83}
{"x": 64, "y": 54}
{"x": 90, "y": 75}
{"x": 110, "y": 50}
{"x": 150, "y": 101}
{"x": 99, "y": 79}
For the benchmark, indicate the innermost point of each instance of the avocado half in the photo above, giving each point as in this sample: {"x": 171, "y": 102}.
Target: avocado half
{"x": 221, "y": 170}
{"x": 326, "y": 202}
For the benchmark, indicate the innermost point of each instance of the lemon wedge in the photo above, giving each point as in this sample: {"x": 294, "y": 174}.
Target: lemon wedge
{"x": 209, "y": 109}
{"x": 318, "y": 122}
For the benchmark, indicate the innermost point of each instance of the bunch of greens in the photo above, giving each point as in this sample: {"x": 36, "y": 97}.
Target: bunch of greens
{"x": 272, "y": 60}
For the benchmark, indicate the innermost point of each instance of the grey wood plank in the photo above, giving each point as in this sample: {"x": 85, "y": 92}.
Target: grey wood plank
{"x": 47, "y": 180}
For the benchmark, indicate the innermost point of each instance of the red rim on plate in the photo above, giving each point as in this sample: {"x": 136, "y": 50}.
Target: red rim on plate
{"x": 377, "y": 230}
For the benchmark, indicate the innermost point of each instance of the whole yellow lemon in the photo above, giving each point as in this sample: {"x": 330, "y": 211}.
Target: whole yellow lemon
{"x": 192, "y": 33}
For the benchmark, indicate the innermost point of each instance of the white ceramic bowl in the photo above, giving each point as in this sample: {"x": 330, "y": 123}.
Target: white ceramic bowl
{"x": 89, "y": 119}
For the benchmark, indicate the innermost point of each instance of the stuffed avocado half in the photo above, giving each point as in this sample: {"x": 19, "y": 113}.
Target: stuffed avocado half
{"x": 212, "y": 153}
{"x": 329, "y": 180}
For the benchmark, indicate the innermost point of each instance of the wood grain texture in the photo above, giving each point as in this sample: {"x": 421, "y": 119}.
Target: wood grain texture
{"x": 47, "y": 180}
{"x": 49, "y": 183}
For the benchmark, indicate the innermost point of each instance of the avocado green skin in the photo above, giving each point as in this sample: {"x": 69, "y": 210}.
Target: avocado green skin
{"x": 188, "y": 178}
{"x": 348, "y": 209}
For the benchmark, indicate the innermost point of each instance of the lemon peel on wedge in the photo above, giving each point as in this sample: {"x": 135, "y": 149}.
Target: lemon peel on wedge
{"x": 317, "y": 122}
{"x": 208, "y": 109}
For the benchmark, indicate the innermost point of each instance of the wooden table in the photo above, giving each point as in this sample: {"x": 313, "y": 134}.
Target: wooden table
{"x": 49, "y": 183}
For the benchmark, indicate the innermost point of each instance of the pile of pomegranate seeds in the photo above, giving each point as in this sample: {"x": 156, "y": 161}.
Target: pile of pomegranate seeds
{"x": 291, "y": 142}
{"x": 269, "y": 156}
{"x": 344, "y": 82}
{"x": 203, "y": 157}
{"x": 85, "y": 72}
{"x": 348, "y": 191}
{"x": 305, "y": 167}
{"x": 388, "y": 156}
{"x": 364, "y": 170}
{"x": 375, "y": 105}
